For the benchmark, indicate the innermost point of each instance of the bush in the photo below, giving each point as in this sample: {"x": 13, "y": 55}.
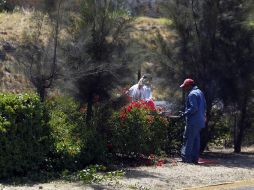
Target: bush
{"x": 221, "y": 134}
{"x": 24, "y": 134}
{"x": 138, "y": 129}
{"x": 67, "y": 132}
{"x": 95, "y": 149}
{"x": 174, "y": 137}
{"x": 2, "y": 5}
{"x": 75, "y": 145}
{"x": 5, "y": 6}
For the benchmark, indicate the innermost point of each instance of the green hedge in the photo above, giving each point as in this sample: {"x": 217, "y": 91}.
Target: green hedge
{"x": 68, "y": 132}
{"x": 75, "y": 145}
{"x": 24, "y": 134}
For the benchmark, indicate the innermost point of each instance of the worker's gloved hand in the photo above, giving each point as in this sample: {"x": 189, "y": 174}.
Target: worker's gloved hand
{"x": 181, "y": 114}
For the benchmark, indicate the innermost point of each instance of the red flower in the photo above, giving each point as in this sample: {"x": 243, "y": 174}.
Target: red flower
{"x": 129, "y": 108}
{"x": 151, "y": 105}
{"x": 141, "y": 104}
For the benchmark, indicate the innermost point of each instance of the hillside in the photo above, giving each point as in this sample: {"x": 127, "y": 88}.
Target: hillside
{"x": 11, "y": 27}
{"x": 142, "y": 48}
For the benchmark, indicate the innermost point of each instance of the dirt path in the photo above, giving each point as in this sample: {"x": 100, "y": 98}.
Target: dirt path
{"x": 229, "y": 167}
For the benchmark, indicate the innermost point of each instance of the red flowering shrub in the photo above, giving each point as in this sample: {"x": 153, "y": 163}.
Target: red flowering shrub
{"x": 137, "y": 129}
{"x": 140, "y": 105}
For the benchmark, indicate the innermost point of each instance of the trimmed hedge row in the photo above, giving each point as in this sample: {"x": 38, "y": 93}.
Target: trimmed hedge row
{"x": 51, "y": 136}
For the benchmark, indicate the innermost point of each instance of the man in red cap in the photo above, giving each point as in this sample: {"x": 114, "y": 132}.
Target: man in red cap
{"x": 195, "y": 121}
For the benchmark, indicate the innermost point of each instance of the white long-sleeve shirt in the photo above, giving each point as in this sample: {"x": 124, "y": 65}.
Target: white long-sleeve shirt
{"x": 142, "y": 93}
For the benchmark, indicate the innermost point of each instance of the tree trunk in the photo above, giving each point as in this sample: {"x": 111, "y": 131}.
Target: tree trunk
{"x": 205, "y": 133}
{"x": 241, "y": 127}
{"x": 50, "y": 5}
{"x": 139, "y": 73}
{"x": 42, "y": 93}
{"x": 89, "y": 108}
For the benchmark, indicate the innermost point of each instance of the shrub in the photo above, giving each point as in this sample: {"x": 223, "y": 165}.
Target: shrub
{"x": 174, "y": 137}
{"x": 5, "y": 6}
{"x": 138, "y": 129}
{"x": 75, "y": 145}
{"x": 24, "y": 134}
{"x": 67, "y": 132}
{"x": 95, "y": 149}
{"x": 2, "y": 5}
{"x": 220, "y": 135}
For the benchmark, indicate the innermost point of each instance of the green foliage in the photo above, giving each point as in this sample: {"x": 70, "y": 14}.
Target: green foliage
{"x": 221, "y": 133}
{"x": 67, "y": 126}
{"x": 95, "y": 142}
{"x": 105, "y": 22}
{"x": 174, "y": 137}
{"x": 94, "y": 149}
{"x": 211, "y": 56}
{"x": 139, "y": 132}
{"x": 2, "y": 5}
{"x": 249, "y": 133}
{"x": 97, "y": 173}
{"x": 100, "y": 58}
{"x": 131, "y": 134}
{"x": 75, "y": 145}
{"x": 24, "y": 134}
{"x": 5, "y": 6}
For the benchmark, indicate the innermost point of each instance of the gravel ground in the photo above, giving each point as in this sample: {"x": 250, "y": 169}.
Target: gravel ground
{"x": 229, "y": 168}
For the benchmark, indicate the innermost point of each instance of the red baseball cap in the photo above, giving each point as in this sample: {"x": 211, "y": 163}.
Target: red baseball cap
{"x": 187, "y": 82}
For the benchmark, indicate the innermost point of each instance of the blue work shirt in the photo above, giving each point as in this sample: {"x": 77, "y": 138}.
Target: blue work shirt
{"x": 195, "y": 108}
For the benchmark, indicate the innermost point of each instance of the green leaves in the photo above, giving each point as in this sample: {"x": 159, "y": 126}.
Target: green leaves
{"x": 2, "y": 5}
{"x": 67, "y": 130}
{"x": 136, "y": 131}
{"x": 24, "y": 135}
{"x": 97, "y": 174}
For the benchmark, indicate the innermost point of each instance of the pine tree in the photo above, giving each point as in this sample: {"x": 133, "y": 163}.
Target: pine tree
{"x": 98, "y": 50}
{"x": 215, "y": 48}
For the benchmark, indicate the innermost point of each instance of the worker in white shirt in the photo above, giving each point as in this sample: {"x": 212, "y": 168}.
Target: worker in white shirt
{"x": 142, "y": 90}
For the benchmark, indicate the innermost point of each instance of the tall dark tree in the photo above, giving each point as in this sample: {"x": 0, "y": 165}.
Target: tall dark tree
{"x": 97, "y": 51}
{"x": 236, "y": 53}
{"x": 210, "y": 33}
{"x": 195, "y": 22}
